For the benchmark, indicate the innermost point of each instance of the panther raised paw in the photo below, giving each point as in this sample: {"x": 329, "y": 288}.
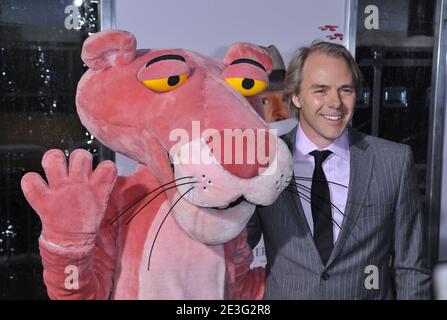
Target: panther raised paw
{"x": 74, "y": 200}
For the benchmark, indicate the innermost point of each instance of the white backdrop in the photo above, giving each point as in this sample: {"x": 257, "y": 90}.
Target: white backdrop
{"x": 210, "y": 26}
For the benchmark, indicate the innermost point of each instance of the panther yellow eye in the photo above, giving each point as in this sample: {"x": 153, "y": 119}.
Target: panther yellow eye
{"x": 166, "y": 84}
{"x": 247, "y": 86}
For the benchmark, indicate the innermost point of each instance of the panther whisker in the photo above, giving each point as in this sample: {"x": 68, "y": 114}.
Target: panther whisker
{"x": 306, "y": 198}
{"x": 320, "y": 197}
{"x": 310, "y": 179}
{"x": 159, "y": 228}
{"x": 162, "y": 191}
{"x": 144, "y": 196}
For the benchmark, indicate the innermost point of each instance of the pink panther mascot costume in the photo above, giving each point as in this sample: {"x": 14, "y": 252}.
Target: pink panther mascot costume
{"x": 174, "y": 229}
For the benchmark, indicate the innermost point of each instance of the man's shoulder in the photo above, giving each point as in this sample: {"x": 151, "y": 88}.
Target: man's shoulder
{"x": 379, "y": 145}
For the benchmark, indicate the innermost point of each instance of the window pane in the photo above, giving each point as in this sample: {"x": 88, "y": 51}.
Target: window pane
{"x": 40, "y": 65}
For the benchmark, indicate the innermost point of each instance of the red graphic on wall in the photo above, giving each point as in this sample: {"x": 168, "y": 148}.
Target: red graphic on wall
{"x": 332, "y": 28}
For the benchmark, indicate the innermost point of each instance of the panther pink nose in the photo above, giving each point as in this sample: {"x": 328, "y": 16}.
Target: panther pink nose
{"x": 245, "y": 153}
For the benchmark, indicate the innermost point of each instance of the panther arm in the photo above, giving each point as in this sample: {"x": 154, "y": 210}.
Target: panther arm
{"x": 243, "y": 283}
{"x": 95, "y": 259}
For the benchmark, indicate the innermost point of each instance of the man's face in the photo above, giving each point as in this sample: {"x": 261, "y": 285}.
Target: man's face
{"x": 327, "y": 98}
{"x": 275, "y": 107}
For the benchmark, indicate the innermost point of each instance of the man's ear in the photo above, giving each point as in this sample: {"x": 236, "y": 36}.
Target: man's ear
{"x": 296, "y": 101}
{"x": 109, "y": 48}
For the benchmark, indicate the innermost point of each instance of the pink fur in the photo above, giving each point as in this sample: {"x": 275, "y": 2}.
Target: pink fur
{"x": 200, "y": 252}
{"x": 250, "y": 51}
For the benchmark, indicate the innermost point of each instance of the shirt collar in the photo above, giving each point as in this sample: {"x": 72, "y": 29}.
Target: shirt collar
{"x": 303, "y": 145}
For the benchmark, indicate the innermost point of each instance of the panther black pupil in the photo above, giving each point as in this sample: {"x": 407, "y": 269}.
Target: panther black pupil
{"x": 173, "y": 80}
{"x": 248, "y": 83}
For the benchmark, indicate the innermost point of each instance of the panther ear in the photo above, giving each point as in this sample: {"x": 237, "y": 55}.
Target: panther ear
{"x": 109, "y": 48}
{"x": 248, "y": 51}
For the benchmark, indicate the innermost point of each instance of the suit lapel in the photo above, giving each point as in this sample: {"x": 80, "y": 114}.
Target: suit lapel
{"x": 293, "y": 201}
{"x": 361, "y": 166}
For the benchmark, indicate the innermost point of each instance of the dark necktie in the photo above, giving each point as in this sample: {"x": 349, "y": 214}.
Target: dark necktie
{"x": 321, "y": 207}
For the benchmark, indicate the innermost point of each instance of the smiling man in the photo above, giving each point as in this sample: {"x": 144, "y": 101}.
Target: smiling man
{"x": 326, "y": 97}
{"x": 350, "y": 225}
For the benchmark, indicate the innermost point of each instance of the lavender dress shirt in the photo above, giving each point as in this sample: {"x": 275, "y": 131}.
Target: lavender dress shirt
{"x": 336, "y": 168}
